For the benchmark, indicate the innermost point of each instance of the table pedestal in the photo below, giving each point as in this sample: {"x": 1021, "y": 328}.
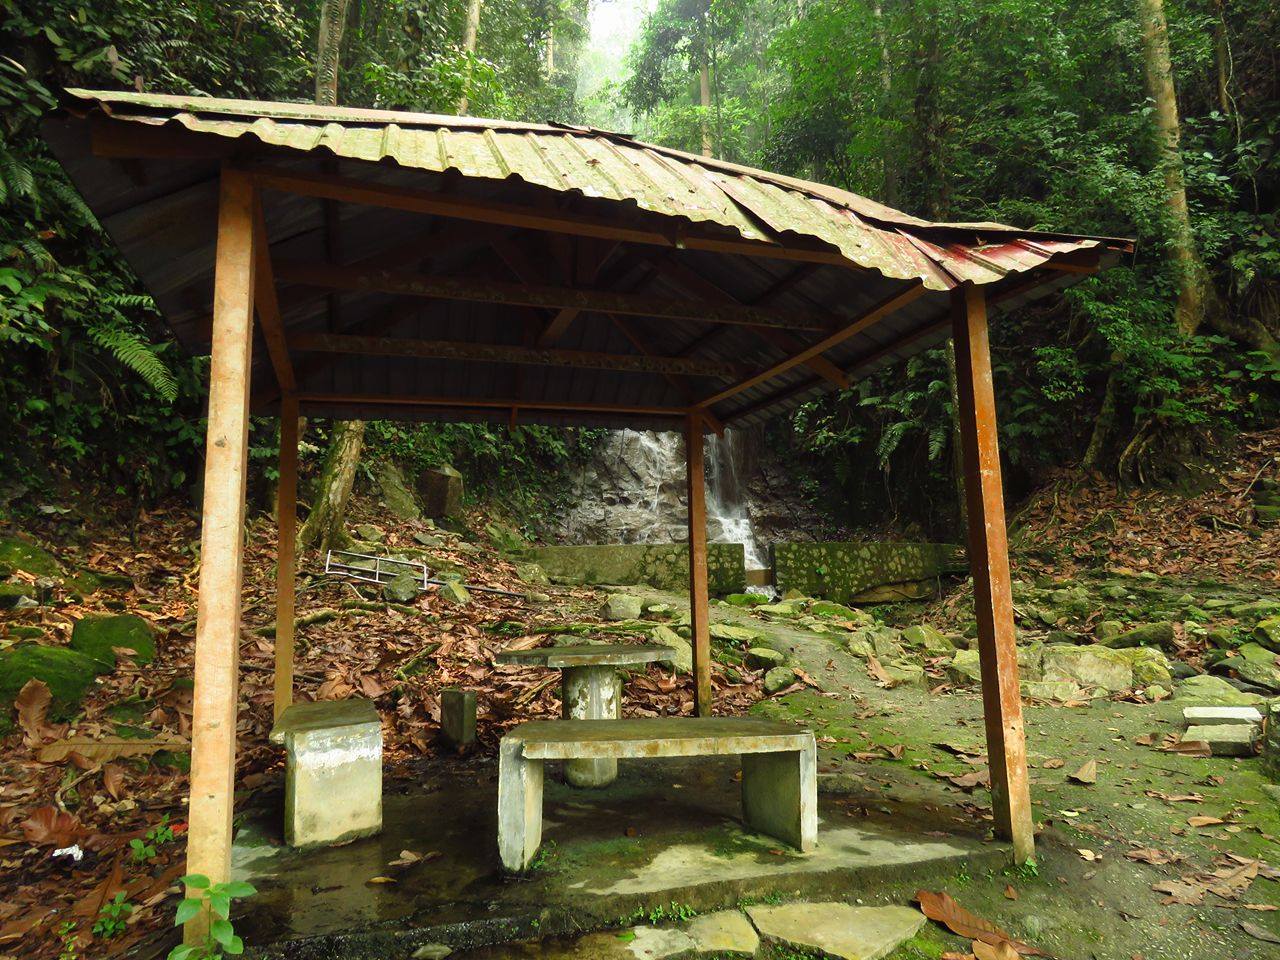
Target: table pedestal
{"x": 591, "y": 693}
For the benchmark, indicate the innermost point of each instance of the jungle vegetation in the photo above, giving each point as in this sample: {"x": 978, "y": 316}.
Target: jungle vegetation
{"x": 1151, "y": 119}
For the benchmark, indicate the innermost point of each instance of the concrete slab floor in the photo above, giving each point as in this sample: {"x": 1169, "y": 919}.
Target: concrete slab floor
{"x": 665, "y": 838}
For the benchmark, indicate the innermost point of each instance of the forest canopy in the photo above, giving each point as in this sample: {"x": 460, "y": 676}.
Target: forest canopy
{"x": 1148, "y": 119}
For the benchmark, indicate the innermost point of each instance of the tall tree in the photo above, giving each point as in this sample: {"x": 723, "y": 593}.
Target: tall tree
{"x": 469, "y": 33}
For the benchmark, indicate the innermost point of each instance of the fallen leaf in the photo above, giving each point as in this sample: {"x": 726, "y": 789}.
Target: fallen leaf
{"x": 1203, "y": 821}
{"x": 1053, "y": 764}
{"x": 1009, "y": 892}
{"x": 942, "y": 908}
{"x": 380, "y": 880}
{"x": 107, "y": 748}
{"x": 1087, "y": 774}
{"x": 1149, "y": 855}
{"x": 1000, "y": 951}
{"x": 32, "y": 704}
{"x": 113, "y": 780}
{"x": 1259, "y": 933}
{"x": 51, "y": 826}
{"x": 1178, "y": 892}
{"x": 1087, "y": 854}
{"x": 91, "y": 905}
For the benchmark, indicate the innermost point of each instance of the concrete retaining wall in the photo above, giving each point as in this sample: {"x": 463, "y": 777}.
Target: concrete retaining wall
{"x": 840, "y": 571}
{"x": 661, "y": 565}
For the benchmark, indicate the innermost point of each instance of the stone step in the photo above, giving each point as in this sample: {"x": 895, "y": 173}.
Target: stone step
{"x": 1221, "y": 716}
{"x": 1226, "y": 740}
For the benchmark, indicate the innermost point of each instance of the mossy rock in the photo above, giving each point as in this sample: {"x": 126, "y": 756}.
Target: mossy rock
{"x": 732, "y": 634}
{"x": 97, "y": 638}
{"x": 17, "y": 554}
{"x": 15, "y": 594}
{"x": 746, "y": 599}
{"x": 66, "y": 672}
{"x": 25, "y": 631}
{"x": 837, "y": 611}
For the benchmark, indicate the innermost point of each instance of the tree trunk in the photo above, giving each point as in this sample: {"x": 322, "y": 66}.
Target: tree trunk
{"x": 1194, "y": 292}
{"x": 704, "y": 87}
{"x": 333, "y": 20}
{"x": 957, "y": 449}
{"x": 324, "y": 526}
{"x": 889, "y": 188}
{"x": 469, "y": 45}
{"x": 551, "y": 52}
{"x": 1104, "y": 427}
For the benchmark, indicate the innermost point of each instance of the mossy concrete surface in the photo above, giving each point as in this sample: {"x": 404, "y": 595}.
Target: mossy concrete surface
{"x": 840, "y": 571}
{"x": 664, "y": 566}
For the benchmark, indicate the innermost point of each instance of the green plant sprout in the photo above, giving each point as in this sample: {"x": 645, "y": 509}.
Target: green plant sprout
{"x": 144, "y": 850}
{"x": 221, "y": 940}
{"x": 112, "y": 917}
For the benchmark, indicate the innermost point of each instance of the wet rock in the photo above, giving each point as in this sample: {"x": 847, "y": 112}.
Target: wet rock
{"x": 682, "y": 660}
{"x": 1147, "y": 635}
{"x": 778, "y": 678}
{"x": 726, "y": 631}
{"x": 402, "y": 588}
{"x": 1267, "y": 633}
{"x": 98, "y": 637}
{"x": 926, "y": 638}
{"x": 727, "y": 932}
{"x": 621, "y": 606}
{"x": 441, "y": 492}
{"x": 68, "y": 674}
{"x": 1226, "y": 740}
{"x": 454, "y": 592}
{"x": 838, "y": 929}
{"x": 762, "y": 658}
{"x": 965, "y": 667}
{"x": 432, "y": 951}
{"x": 1207, "y": 689}
{"x": 1089, "y": 666}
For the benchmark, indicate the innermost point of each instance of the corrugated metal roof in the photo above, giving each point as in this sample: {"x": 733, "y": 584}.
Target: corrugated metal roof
{"x": 161, "y": 213}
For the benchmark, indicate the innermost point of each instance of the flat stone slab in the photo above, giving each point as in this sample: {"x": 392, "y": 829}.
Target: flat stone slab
{"x": 725, "y": 932}
{"x": 324, "y": 715}
{"x": 1214, "y": 716}
{"x": 588, "y": 655}
{"x": 838, "y": 929}
{"x": 656, "y": 737}
{"x": 655, "y": 943}
{"x": 1229, "y": 740}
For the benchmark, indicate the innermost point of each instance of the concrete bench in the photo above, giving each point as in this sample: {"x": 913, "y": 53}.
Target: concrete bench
{"x": 779, "y": 770}
{"x": 333, "y": 771}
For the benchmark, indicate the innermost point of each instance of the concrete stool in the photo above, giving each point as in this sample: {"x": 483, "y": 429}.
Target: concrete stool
{"x": 333, "y": 771}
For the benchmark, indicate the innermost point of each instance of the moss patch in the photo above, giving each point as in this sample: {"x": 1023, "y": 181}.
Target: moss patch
{"x": 97, "y": 638}
{"x": 16, "y": 554}
{"x": 67, "y": 673}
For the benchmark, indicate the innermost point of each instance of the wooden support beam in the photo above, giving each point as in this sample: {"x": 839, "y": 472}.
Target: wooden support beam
{"x": 698, "y": 596}
{"x": 871, "y": 317}
{"x": 213, "y": 722}
{"x": 490, "y": 403}
{"x": 989, "y": 563}
{"x": 442, "y": 204}
{"x": 509, "y": 353}
{"x": 264, "y": 298}
{"x": 679, "y": 386}
{"x": 286, "y": 548}
{"x": 336, "y": 276}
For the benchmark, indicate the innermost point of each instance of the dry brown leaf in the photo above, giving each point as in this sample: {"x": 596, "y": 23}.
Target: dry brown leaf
{"x": 107, "y": 748}
{"x": 999, "y": 951}
{"x": 1009, "y": 892}
{"x": 942, "y": 908}
{"x": 1259, "y": 933}
{"x": 54, "y": 827}
{"x": 113, "y": 780}
{"x": 1204, "y": 821}
{"x": 1149, "y": 855}
{"x": 1177, "y": 891}
{"x": 32, "y": 704}
{"x": 1053, "y": 764}
{"x": 90, "y": 906}
{"x": 1087, "y": 774}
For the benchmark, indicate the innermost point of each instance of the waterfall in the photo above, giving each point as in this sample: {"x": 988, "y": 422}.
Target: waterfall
{"x": 633, "y": 491}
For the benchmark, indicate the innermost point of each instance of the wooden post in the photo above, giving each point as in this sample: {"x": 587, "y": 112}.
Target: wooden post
{"x": 286, "y": 524}
{"x": 213, "y": 725}
{"x": 989, "y": 563}
{"x": 698, "y": 565}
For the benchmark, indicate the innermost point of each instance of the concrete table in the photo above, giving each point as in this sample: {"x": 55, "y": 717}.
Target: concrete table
{"x": 591, "y": 689}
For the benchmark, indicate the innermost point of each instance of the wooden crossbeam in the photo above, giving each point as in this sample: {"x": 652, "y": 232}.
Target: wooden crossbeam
{"x": 679, "y": 386}
{"x": 871, "y": 317}
{"x": 507, "y": 353}
{"x": 490, "y": 403}
{"x": 350, "y": 190}
{"x": 336, "y": 276}
{"x": 267, "y": 304}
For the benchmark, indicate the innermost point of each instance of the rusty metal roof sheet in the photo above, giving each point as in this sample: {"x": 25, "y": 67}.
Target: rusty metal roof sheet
{"x": 758, "y": 205}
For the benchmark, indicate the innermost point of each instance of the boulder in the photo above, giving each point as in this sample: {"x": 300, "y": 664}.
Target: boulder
{"x": 964, "y": 667}
{"x": 67, "y": 673}
{"x": 98, "y": 637}
{"x": 1058, "y": 691}
{"x": 402, "y": 588}
{"x": 1257, "y": 608}
{"x": 682, "y": 660}
{"x": 1147, "y": 635}
{"x": 1031, "y": 660}
{"x": 732, "y": 634}
{"x": 1204, "y": 688}
{"x": 779, "y": 611}
{"x": 441, "y": 491}
{"x": 858, "y": 644}
{"x": 451, "y": 591}
{"x": 532, "y": 573}
{"x": 621, "y": 606}
{"x": 1256, "y": 664}
{"x": 926, "y": 638}
{"x": 1267, "y": 634}
{"x": 778, "y": 678}
{"x": 746, "y": 599}
{"x": 368, "y": 533}
{"x": 838, "y": 930}
{"x": 1222, "y": 638}
{"x": 837, "y": 611}
{"x": 20, "y": 554}
{"x": 886, "y": 642}
{"x": 905, "y": 673}
{"x": 1149, "y": 665}
{"x": 394, "y": 491}
{"x": 762, "y": 658}
{"x": 1108, "y": 630}
{"x": 1089, "y": 666}
{"x": 18, "y": 596}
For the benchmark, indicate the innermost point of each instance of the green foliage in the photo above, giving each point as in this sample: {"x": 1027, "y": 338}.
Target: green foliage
{"x": 216, "y": 898}
{"x": 112, "y": 917}
{"x": 143, "y": 850}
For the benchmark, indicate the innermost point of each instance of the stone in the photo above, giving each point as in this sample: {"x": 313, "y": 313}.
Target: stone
{"x": 1154, "y": 692}
{"x": 1147, "y": 635}
{"x": 1108, "y": 630}
{"x": 1271, "y": 743}
{"x": 725, "y": 631}
{"x": 682, "y": 660}
{"x": 451, "y": 591}
{"x": 1204, "y": 688}
{"x": 926, "y": 638}
{"x": 1215, "y": 716}
{"x": 778, "y": 678}
{"x": 838, "y": 929}
{"x": 965, "y": 667}
{"x": 659, "y": 943}
{"x": 1057, "y": 691}
{"x": 1216, "y": 603}
{"x": 67, "y": 673}
{"x": 1267, "y": 633}
{"x": 840, "y": 570}
{"x": 458, "y": 717}
{"x": 621, "y": 606}
{"x": 20, "y": 554}
{"x": 1031, "y": 660}
{"x": 794, "y": 594}
{"x": 98, "y": 638}
{"x": 858, "y": 644}
{"x": 778, "y": 611}
{"x": 1222, "y": 638}
{"x": 532, "y": 573}
{"x": 1149, "y": 665}
{"x": 1226, "y": 740}
{"x": 1256, "y": 664}
{"x": 368, "y": 533}
{"x": 432, "y": 951}
{"x": 1257, "y": 608}
{"x": 402, "y": 588}
{"x": 904, "y": 673}
{"x": 1089, "y": 666}
{"x": 505, "y": 538}
{"x": 886, "y": 642}
{"x": 333, "y": 771}
{"x": 837, "y": 611}
{"x": 441, "y": 492}
{"x": 897, "y": 592}
{"x": 724, "y": 932}
{"x": 394, "y": 491}
{"x": 17, "y": 596}
{"x": 762, "y": 658}
{"x": 746, "y": 599}
{"x": 661, "y": 565}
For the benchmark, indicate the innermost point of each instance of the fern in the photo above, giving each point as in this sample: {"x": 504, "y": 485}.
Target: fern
{"x": 139, "y": 356}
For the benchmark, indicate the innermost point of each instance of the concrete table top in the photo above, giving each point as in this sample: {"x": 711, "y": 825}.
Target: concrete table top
{"x": 323, "y": 714}
{"x": 588, "y": 655}
{"x": 657, "y": 737}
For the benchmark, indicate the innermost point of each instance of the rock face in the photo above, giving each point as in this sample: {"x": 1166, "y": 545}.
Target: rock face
{"x": 840, "y": 571}
{"x": 1149, "y": 665}
{"x": 838, "y": 929}
{"x": 67, "y": 673}
{"x": 661, "y": 565}
{"x": 441, "y": 492}
{"x": 97, "y": 638}
{"x": 1090, "y": 666}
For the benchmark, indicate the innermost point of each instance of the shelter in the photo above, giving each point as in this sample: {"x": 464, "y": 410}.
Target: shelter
{"x": 411, "y": 266}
